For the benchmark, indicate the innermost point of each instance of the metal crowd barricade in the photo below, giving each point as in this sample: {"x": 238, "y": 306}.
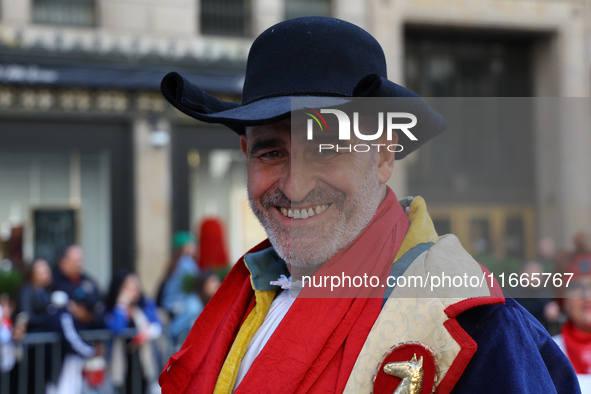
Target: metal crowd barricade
{"x": 36, "y": 344}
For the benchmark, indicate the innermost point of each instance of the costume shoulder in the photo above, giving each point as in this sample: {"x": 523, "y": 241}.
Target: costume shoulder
{"x": 515, "y": 354}
{"x": 448, "y": 308}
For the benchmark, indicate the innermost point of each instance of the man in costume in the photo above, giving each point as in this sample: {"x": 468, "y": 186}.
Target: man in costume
{"x": 332, "y": 213}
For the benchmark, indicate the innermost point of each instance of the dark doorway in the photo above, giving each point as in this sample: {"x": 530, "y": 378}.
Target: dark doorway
{"x": 90, "y": 135}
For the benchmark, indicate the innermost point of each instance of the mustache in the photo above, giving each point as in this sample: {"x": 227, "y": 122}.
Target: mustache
{"x": 317, "y": 196}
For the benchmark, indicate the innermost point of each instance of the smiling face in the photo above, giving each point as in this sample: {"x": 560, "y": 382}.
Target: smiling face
{"x": 311, "y": 204}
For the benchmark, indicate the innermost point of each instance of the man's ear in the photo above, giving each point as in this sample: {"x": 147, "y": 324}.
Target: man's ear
{"x": 244, "y": 144}
{"x": 386, "y": 160}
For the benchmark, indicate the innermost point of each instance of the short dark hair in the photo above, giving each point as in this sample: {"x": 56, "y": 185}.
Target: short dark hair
{"x": 62, "y": 252}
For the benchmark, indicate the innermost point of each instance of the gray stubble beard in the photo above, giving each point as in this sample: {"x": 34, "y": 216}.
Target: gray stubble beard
{"x": 353, "y": 218}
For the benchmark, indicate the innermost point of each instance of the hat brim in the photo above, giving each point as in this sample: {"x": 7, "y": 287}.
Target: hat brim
{"x": 268, "y": 110}
{"x": 194, "y": 102}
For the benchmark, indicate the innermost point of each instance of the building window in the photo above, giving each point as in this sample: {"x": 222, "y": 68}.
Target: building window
{"x": 298, "y": 8}
{"x": 478, "y": 177}
{"x": 479, "y": 158}
{"x": 468, "y": 64}
{"x": 486, "y": 230}
{"x": 225, "y": 18}
{"x": 65, "y": 12}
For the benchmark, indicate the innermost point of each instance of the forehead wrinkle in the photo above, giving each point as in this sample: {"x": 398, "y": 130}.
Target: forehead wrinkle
{"x": 281, "y": 125}
{"x": 269, "y": 135}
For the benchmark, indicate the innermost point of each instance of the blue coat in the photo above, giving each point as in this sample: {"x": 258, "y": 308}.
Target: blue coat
{"x": 515, "y": 354}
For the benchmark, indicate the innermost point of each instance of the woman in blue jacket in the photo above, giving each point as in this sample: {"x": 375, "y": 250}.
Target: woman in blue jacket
{"x": 178, "y": 296}
{"x": 128, "y": 308}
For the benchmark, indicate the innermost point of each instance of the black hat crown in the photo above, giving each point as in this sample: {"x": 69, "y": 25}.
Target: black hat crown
{"x": 312, "y": 57}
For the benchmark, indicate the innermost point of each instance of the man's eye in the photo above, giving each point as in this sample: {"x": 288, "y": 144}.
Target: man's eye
{"x": 272, "y": 154}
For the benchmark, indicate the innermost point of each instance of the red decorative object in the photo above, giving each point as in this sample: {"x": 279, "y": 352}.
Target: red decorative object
{"x": 386, "y": 384}
{"x": 212, "y": 247}
{"x": 94, "y": 371}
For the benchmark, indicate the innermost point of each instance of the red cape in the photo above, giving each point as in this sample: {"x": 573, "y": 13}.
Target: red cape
{"x": 316, "y": 344}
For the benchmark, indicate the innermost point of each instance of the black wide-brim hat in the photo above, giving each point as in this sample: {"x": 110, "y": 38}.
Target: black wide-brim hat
{"x": 306, "y": 57}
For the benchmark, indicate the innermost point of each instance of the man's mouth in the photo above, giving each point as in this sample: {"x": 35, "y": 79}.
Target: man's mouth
{"x": 303, "y": 213}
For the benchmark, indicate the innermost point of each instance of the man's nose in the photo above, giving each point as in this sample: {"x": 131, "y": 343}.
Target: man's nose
{"x": 300, "y": 180}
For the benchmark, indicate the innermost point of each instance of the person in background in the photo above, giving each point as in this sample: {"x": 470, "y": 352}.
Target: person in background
{"x": 69, "y": 278}
{"x": 575, "y": 336}
{"x": 178, "y": 296}
{"x": 207, "y": 284}
{"x": 33, "y": 297}
{"x": 538, "y": 300}
{"x": 32, "y": 316}
{"x": 212, "y": 253}
{"x": 74, "y": 349}
{"x": 127, "y": 308}
{"x": 6, "y": 335}
{"x": 582, "y": 241}
{"x": 11, "y": 332}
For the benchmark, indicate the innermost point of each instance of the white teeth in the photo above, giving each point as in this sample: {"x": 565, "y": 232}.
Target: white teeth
{"x": 303, "y": 213}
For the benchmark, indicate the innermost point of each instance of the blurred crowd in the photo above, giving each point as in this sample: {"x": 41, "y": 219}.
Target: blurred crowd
{"x": 563, "y": 305}
{"x": 68, "y": 302}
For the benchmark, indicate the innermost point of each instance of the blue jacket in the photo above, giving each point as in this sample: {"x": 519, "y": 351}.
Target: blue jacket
{"x": 515, "y": 354}
{"x": 118, "y": 320}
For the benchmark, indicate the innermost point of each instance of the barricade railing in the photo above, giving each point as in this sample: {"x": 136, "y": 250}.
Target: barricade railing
{"x": 39, "y": 353}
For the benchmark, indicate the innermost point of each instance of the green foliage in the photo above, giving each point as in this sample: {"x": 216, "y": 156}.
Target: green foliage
{"x": 222, "y": 272}
{"x": 9, "y": 282}
{"x": 188, "y": 283}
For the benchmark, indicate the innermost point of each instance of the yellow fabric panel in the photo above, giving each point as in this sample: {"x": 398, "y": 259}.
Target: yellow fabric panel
{"x": 421, "y": 230}
{"x": 418, "y": 314}
{"x": 227, "y": 376}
